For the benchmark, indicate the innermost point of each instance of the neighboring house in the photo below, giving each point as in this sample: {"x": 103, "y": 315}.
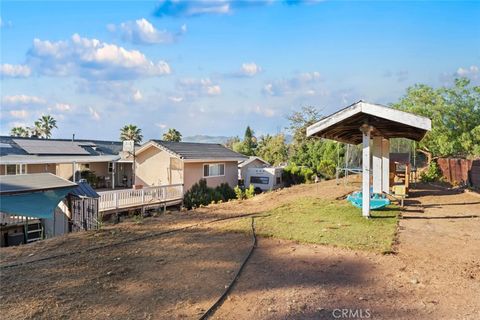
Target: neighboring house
{"x": 251, "y": 162}
{"x": 164, "y": 162}
{"x": 260, "y": 173}
{"x": 67, "y": 159}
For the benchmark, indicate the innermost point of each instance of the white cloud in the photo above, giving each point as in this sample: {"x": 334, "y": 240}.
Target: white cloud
{"x": 92, "y": 59}
{"x": 22, "y": 99}
{"x": 250, "y": 69}
{"x": 15, "y": 70}
{"x": 192, "y": 87}
{"x": 400, "y": 75}
{"x": 94, "y": 114}
{"x": 264, "y": 111}
{"x": 64, "y": 107}
{"x": 306, "y": 84}
{"x": 161, "y": 125}
{"x": 469, "y": 72}
{"x": 5, "y": 24}
{"x": 175, "y": 99}
{"x": 142, "y": 31}
{"x": 137, "y": 95}
{"x": 186, "y": 8}
{"x": 22, "y": 114}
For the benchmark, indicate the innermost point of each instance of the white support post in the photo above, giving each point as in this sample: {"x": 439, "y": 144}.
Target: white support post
{"x": 113, "y": 174}
{"x": 386, "y": 165}
{"x": 74, "y": 169}
{"x": 377, "y": 164}
{"x": 366, "y": 129}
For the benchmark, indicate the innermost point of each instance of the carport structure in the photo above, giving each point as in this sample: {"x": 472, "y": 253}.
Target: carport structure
{"x": 362, "y": 122}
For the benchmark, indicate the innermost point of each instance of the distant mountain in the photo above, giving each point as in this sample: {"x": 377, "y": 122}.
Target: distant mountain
{"x": 220, "y": 139}
{"x": 206, "y": 139}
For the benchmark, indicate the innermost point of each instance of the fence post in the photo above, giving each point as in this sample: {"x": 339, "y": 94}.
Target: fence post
{"x": 115, "y": 199}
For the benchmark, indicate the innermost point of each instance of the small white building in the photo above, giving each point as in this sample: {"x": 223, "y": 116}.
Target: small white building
{"x": 260, "y": 173}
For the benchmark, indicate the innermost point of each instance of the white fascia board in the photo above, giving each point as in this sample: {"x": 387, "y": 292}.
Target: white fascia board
{"x": 153, "y": 143}
{"x": 374, "y": 110}
{"x": 333, "y": 119}
{"x": 403, "y": 117}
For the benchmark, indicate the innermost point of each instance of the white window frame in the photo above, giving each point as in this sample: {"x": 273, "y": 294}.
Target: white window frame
{"x": 19, "y": 169}
{"x": 213, "y": 164}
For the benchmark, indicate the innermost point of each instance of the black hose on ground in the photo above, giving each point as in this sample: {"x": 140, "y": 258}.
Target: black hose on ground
{"x": 222, "y": 298}
{"x": 140, "y": 238}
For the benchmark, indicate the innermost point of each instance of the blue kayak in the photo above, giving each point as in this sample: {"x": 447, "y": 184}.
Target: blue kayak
{"x": 377, "y": 200}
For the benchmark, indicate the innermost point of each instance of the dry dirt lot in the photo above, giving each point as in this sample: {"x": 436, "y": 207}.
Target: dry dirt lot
{"x": 435, "y": 273}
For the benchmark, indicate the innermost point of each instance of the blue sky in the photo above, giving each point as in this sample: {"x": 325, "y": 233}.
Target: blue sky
{"x": 215, "y": 66}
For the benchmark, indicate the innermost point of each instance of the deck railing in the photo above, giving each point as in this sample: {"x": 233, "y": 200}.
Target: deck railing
{"x": 8, "y": 219}
{"x": 123, "y": 199}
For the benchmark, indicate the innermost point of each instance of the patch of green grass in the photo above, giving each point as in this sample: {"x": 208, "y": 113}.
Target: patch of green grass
{"x": 336, "y": 223}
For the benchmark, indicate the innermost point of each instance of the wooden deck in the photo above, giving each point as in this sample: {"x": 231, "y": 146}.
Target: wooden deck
{"x": 118, "y": 200}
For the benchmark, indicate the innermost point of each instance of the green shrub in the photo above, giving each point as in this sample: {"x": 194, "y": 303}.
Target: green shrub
{"x": 326, "y": 168}
{"x": 201, "y": 195}
{"x": 250, "y": 192}
{"x": 293, "y": 174}
{"x": 432, "y": 174}
{"x": 239, "y": 194}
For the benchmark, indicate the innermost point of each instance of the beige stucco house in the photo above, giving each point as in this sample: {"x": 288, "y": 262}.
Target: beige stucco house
{"x": 165, "y": 162}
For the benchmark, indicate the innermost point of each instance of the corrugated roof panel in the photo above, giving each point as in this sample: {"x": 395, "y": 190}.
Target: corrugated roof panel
{"x": 32, "y": 182}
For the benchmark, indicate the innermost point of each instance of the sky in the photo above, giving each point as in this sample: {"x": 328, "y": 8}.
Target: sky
{"x": 213, "y": 67}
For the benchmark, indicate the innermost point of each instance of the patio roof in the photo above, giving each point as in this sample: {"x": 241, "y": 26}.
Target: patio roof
{"x": 344, "y": 125}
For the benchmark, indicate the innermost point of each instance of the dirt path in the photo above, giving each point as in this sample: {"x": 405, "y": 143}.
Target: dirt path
{"x": 434, "y": 275}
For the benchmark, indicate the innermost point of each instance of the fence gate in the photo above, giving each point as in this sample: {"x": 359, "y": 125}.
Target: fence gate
{"x": 84, "y": 214}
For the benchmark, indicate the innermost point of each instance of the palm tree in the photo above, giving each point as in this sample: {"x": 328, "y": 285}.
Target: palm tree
{"x": 131, "y": 132}
{"x": 44, "y": 125}
{"x": 19, "y": 132}
{"x": 172, "y": 135}
{"x": 35, "y": 131}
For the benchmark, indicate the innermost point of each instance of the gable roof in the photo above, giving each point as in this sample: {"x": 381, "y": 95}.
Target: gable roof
{"x": 344, "y": 125}
{"x": 250, "y": 160}
{"x": 194, "y": 152}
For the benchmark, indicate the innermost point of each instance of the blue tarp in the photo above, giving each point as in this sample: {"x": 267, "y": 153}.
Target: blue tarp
{"x": 38, "y": 204}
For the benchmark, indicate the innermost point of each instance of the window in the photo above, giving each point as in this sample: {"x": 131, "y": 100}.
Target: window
{"x": 259, "y": 180}
{"x": 214, "y": 170}
{"x": 110, "y": 167}
{"x": 279, "y": 180}
{"x": 12, "y": 169}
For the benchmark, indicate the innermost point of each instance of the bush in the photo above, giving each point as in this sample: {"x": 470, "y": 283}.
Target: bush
{"x": 201, "y": 195}
{"x": 239, "y": 193}
{"x": 432, "y": 174}
{"x": 250, "y": 192}
{"x": 326, "y": 168}
{"x": 293, "y": 174}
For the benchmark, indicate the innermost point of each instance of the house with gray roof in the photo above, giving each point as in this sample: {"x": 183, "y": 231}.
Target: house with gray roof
{"x": 164, "y": 162}
{"x": 103, "y": 163}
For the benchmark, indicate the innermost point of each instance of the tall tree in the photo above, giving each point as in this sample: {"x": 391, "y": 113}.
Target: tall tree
{"x": 44, "y": 125}
{"x": 131, "y": 132}
{"x": 249, "y": 142}
{"x": 172, "y": 135}
{"x": 455, "y": 115}
{"x": 300, "y": 120}
{"x": 273, "y": 149}
{"x": 19, "y": 132}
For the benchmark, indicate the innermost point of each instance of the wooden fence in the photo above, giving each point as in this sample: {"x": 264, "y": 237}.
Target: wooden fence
{"x": 460, "y": 171}
{"x": 137, "y": 198}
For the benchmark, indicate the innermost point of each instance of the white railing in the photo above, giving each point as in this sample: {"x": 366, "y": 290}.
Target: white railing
{"x": 122, "y": 199}
{"x": 8, "y": 219}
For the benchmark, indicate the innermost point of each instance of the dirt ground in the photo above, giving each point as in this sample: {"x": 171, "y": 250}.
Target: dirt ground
{"x": 435, "y": 273}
